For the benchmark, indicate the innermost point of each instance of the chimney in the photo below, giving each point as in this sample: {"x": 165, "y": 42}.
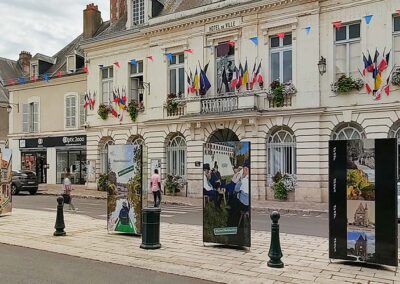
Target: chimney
{"x": 91, "y": 20}
{"x": 118, "y": 9}
{"x": 25, "y": 61}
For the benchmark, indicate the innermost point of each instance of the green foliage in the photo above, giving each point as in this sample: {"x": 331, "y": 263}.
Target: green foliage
{"x": 172, "y": 185}
{"x": 214, "y": 217}
{"x": 133, "y": 110}
{"x": 280, "y": 191}
{"x": 347, "y": 84}
{"x": 102, "y": 183}
{"x": 103, "y": 111}
{"x": 278, "y": 97}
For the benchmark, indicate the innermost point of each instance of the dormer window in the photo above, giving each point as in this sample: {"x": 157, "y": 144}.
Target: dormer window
{"x": 138, "y": 12}
{"x": 74, "y": 63}
{"x": 34, "y": 70}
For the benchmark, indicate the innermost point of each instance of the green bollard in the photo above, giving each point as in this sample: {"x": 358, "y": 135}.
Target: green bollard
{"x": 60, "y": 226}
{"x": 275, "y": 252}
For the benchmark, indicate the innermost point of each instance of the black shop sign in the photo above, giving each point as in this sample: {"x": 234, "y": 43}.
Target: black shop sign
{"x": 59, "y": 141}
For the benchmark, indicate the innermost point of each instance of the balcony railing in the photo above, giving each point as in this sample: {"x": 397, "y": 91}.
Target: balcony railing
{"x": 287, "y": 102}
{"x": 219, "y": 104}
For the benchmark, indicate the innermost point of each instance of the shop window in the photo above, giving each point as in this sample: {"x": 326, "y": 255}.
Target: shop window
{"x": 75, "y": 162}
{"x": 70, "y": 111}
{"x": 281, "y": 58}
{"x": 281, "y": 151}
{"x": 176, "y": 156}
{"x": 348, "y": 50}
{"x": 30, "y": 117}
{"x": 107, "y": 77}
{"x": 225, "y": 61}
{"x": 136, "y": 82}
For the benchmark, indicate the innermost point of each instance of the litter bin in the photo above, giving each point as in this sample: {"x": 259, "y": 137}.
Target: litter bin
{"x": 151, "y": 228}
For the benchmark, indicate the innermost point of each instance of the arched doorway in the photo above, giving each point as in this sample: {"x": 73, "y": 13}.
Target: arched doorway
{"x": 223, "y": 135}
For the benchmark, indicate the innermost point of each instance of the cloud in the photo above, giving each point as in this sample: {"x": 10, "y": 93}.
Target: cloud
{"x": 40, "y": 26}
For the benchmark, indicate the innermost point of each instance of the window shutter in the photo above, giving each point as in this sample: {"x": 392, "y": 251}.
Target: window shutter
{"x": 35, "y": 117}
{"x": 73, "y": 111}
{"x": 25, "y": 117}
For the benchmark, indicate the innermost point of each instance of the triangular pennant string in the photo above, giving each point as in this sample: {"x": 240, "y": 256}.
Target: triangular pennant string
{"x": 254, "y": 40}
{"x": 169, "y": 57}
{"x": 337, "y": 24}
{"x": 150, "y": 58}
{"x": 133, "y": 62}
{"x": 308, "y": 29}
{"x": 281, "y": 35}
{"x": 368, "y": 19}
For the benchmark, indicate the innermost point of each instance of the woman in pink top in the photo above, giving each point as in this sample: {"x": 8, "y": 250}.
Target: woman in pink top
{"x": 155, "y": 184}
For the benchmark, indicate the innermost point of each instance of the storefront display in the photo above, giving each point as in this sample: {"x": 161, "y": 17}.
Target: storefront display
{"x": 75, "y": 161}
{"x": 36, "y": 162}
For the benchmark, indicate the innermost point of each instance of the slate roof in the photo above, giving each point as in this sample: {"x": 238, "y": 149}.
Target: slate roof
{"x": 9, "y": 69}
{"x": 175, "y": 6}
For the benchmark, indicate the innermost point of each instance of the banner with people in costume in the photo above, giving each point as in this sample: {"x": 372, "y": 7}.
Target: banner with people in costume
{"x": 5, "y": 181}
{"x": 227, "y": 193}
{"x": 124, "y": 194}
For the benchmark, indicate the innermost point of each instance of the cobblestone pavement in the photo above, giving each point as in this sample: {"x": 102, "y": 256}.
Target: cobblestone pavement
{"x": 267, "y": 206}
{"x": 183, "y": 253}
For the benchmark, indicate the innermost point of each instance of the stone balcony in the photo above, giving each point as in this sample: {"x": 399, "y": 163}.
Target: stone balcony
{"x": 234, "y": 102}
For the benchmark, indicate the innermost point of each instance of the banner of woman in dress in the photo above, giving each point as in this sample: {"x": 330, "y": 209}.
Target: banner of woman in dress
{"x": 124, "y": 196}
{"x": 227, "y": 193}
{"x": 363, "y": 201}
{"x": 5, "y": 181}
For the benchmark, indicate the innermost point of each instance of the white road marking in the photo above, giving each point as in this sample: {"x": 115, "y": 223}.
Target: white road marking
{"x": 166, "y": 216}
{"x": 173, "y": 212}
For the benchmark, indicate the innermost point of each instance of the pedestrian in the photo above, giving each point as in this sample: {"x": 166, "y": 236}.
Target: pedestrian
{"x": 67, "y": 190}
{"x": 155, "y": 184}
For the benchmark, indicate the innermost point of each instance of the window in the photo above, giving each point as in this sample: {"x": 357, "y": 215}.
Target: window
{"x": 82, "y": 111}
{"x": 138, "y": 12}
{"x": 136, "y": 140}
{"x": 348, "y": 50}
{"x": 34, "y": 70}
{"x": 281, "y": 151}
{"x": 281, "y": 58}
{"x": 70, "y": 111}
{"x": 348, "y": 131}
{"x": 177, "y": 74}
{"x": 30, "y": 117}
{"x": 136, "y": 82}
{"x": 71, "y": 66}
{"x": 396, "y": 41}
{"x": 176, "y": 156}
{"x": 225, "y": 60}
{"x": 104, "y": 167}
{"x": 107, "y": 84}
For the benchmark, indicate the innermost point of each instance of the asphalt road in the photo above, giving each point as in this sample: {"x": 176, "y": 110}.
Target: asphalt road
{"x": 289, "y": 223}
{"x": 23, "y": 265}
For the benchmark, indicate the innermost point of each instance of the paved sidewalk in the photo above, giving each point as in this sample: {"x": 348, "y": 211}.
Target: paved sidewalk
{"x": 183, "y": 253}
{"x": 264, "y": 206}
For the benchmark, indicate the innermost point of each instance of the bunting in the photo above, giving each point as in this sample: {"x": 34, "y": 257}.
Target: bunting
{"x": 254, "y": 40}
{"x": 308, "y": 29}
{"x": 368, "y": 19}
{"x": 150, "y": 58}
{"x": 117, "y": 64}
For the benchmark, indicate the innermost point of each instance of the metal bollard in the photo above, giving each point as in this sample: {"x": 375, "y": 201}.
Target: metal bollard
{"x": 275, "y": 252}
{"x": 60, "y": 226}
{"x": 151, "y": 228}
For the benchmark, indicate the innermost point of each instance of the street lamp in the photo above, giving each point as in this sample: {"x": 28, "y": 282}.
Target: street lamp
{"x": 8, "y": 106}
{"x": 322, "y": 66}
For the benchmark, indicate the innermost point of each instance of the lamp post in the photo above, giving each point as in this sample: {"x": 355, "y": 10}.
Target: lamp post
{"x": 322, "y": 66}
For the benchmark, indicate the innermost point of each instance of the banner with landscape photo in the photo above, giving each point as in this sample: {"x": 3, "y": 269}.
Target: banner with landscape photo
{"x": 5, "y": 181}
{"x": 124, "y": 194}
{"x": 227, "y": 193}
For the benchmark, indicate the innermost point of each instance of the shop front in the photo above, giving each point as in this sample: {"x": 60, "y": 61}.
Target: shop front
{"x": 52, "y": 157}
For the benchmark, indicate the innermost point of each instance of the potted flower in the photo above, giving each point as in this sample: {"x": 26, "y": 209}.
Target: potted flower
{"x": 346, "y": 84}
{"x": 277, "y": 92}
{"x": 283, "y": 184}
{"x": 134, "y": 108}
{"x": 396, "y": 77}
{"x": 173, "y": 184}
{"x": 172, "y": 104}
{"x": 104, "y": 111}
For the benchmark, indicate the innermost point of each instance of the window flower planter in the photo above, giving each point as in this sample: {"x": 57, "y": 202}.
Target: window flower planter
{"x": 346, "y": 84}
{"x": 134, "y": 108}
{"x": 278, "y": 93}
{"x": 104, "y": 111}
{"x": 283, "y": 185}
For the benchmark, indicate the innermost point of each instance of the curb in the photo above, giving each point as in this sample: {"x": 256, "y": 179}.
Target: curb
{"x": 266, "y": 209}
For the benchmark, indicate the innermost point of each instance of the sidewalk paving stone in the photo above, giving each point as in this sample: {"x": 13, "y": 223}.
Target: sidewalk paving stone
{"x": 183, "y": 252}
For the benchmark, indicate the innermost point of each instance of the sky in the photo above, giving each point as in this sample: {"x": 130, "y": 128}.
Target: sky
{"x": 42, "y": 26}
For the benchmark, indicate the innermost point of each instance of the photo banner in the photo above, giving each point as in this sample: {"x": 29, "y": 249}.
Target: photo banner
{"x": 227, "y": 193}
{"x": 5, "y": 181}
{"x": 124, "y": 194}
{"x": 363, "y": 201}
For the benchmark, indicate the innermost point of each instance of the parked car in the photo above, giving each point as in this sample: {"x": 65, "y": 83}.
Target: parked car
{"x": 24, "y": 181}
